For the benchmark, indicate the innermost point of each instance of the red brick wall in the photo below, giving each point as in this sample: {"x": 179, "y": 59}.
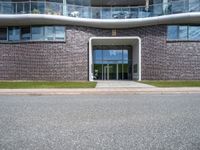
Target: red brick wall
{"x": 69, "y": 60}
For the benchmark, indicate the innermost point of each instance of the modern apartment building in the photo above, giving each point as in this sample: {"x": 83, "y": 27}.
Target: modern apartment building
{"x": 99, "y": 40}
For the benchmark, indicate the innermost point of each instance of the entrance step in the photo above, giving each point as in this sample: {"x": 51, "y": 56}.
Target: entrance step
{"x": 121, "y": 84}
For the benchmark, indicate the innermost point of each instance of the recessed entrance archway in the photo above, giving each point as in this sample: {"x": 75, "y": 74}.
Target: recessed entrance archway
{"x": 115, "y": 58}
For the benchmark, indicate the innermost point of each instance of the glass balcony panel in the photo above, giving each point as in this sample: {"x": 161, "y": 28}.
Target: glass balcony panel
{"x": 96, "y": 13}
{"x": 86, "y": 12}
{"x": 117, "y": 13}
{"x": 86, "y": 2}
{"x": 20, "y": 8}
{"x": 177, "y": 7}
{"x": 70, "y": 2}
{"x": 37, "y": 8}
{"x": 134, "y": 12}
{"x": 78, "y": 2}
{"x": 83, "y": 9}
{"x": 126, "y": 12}
{"x": 27, "y": 8}
{"x": 106, "y": 13}
{"x": 158, "y": 9}
{"x": 143, "y": 12}
{"x": 194, "y": 5}
{"x": 53, "y": 9}
{"x": 7, "y": 8}
{"x": 74, "y": 11}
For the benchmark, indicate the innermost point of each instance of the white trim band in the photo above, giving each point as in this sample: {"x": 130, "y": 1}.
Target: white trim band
{"x": 38, "y": 19}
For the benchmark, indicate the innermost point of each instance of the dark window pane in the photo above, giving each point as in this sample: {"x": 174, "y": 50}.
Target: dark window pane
{"x": 172, "y": 32}
{"x": 25, "y": 33}
{"x": 3, "y": 34}
{"x": 14, "y": 33}
{"x": 194, "y": 32}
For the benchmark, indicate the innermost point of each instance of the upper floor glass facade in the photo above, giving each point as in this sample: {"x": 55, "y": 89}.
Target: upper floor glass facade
{"x": 84, "y": 9}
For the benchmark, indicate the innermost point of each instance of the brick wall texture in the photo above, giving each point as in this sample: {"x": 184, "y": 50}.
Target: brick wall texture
{"x": 161, "y": 60}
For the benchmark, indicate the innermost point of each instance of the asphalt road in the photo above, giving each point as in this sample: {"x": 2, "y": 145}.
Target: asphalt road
{"x": 127, "y": 122}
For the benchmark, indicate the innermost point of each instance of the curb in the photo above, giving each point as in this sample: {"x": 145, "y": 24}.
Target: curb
{"x": 38, "y": 92}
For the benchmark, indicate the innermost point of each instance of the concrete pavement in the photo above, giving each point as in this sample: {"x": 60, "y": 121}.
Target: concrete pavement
{"x": 120, "y": 84}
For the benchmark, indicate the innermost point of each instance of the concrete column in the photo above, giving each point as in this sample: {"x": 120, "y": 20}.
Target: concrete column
{"x": 65, "y": 7}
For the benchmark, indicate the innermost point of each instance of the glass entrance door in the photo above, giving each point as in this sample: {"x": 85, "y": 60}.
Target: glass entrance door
{"x": 110, "y": 72}
{"x": 109, "y": 64}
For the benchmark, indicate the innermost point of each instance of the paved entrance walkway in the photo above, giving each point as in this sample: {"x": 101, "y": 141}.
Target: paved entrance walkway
{"x": 121, "y": 84}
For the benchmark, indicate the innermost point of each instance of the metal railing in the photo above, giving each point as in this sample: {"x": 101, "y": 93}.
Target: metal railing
{"x": 53, "y": 8}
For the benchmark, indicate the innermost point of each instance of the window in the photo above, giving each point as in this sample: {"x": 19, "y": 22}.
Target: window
{"x": 194, "y": 32}
{"x": 25, "y": 33}
{"x": 183, "y": 33}
{"x": 14, "y": 33}
{"x": 172, "y": 32}
{"x": 3, "y": 34}
{"x": 49, "y": 33}
{"x": 34, "y": 33}
{"x": 37, "y": 33}
{"x": 59, "y": 33}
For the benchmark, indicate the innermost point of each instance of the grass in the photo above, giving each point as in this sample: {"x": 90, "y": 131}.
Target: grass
{"x": 173, "y": 83}
{"x": 37, "y": 85}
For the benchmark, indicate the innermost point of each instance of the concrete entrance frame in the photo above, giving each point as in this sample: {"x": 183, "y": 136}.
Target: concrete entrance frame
{"x": 134, "y": 41}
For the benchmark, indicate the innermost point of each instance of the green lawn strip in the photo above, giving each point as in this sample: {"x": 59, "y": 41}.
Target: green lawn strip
{"x": 173, "y": 83}
{"x": 33, "y": 85}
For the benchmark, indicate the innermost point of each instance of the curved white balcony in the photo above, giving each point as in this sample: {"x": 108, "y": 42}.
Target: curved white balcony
{"x": 107, "y": 17}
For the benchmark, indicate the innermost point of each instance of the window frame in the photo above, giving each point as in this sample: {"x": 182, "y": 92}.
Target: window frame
{"x": 178, "y": 39}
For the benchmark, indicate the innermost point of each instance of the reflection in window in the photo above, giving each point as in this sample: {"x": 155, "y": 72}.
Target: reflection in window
{"x": 194, "y": 33}
{"x": 3, "y": 34}
{"x": 183, "y": 32}
{"x": 49, "y": 33}
{"x": 14, "y": 33}
{"x": 194, "y": 5}
{"x": 59, "y": 33}
{"x": 112, "y": 54}
{"x": 172, "y": 32}
{"x": 97, "y": 55}
{"x": 106, "y": 13}
{"x": 37, "y": 33}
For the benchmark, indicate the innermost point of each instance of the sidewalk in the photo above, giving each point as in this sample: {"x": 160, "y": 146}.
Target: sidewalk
{"x": 151, "y": 90}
